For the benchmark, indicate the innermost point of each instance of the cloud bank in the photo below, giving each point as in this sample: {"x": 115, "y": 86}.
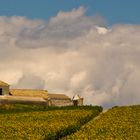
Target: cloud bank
{"x": 72, "y": 53}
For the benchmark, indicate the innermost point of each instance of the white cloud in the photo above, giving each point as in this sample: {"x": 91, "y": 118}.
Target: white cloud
{"x": 73, "y": 53}
{"x": 74, "y": 14}
{"x": 101, "y": 30}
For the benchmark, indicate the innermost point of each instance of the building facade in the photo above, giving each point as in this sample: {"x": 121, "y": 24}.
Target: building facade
{"x": 34, "y": 96}
{"x": 4, "y": 88}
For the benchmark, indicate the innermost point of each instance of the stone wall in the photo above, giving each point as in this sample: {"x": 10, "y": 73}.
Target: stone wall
{"x": 60, "y": 102}
{"x": 5, "y": 90}
{"x": 80, "y": 102}
{"x": 22, "y": 100}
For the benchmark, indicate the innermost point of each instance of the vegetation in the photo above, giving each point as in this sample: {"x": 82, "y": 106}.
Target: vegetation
{"x": 31, "y": 122}
{"x": 41, "y": 122}
{"x": 119, "y": 123}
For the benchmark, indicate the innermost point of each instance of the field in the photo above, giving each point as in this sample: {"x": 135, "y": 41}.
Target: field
{"x": 38, "y": 122}
{"x": 30, "y": 122}
{"x": 119, "y": 123}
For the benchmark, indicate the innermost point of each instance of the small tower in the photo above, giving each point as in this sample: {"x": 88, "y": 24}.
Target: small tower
{"x": 77, "y": 100}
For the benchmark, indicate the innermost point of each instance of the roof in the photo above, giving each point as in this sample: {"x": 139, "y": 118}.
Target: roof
{"x": 76, "y": 97}
{"x": 57, "y": 96}
{"x": 37, "y": 93}
{"x": 29, "y": 92}
{"x": 3, "y": 83}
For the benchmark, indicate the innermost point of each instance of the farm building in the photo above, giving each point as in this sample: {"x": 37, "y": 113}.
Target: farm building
{"x": 34, "y": 96}
{"x": 77, "y": 100}
{"x": 4, "y": 88}
{"x": 59, "y": 100}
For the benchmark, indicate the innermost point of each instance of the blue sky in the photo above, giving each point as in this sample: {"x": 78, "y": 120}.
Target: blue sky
{"x": 115, "y": 11}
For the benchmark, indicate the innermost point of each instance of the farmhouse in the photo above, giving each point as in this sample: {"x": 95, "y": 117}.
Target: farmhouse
{"x": 77, "y": 100}
{"x": 4, "y": 88}
{"x": 34, "y": 96}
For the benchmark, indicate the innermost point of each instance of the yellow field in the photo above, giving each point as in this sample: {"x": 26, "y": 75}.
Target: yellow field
{"x": 45, "y": 124}
{"x": 119, "y": 123}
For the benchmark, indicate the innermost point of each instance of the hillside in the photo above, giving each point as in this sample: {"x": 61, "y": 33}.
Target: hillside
{"x": 69, "y": 123}
{"x": 119, "y": 123}
{"x": 40, "y": 122}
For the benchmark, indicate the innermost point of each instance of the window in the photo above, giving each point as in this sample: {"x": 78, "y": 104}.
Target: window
{"x": 0, "y": 91}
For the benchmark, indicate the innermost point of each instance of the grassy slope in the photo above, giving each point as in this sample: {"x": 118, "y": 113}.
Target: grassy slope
{"x": 40, "y": 122}
{"x": 119, "y": 123}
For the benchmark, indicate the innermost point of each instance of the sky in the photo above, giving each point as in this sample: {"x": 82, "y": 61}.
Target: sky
{"x": 115, "y": 11}
{"x": 84, "y": 47}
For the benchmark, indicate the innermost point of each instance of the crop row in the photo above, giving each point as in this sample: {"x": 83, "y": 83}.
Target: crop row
{"x": 119, "y": 123}
{"x": 46, "y": 124}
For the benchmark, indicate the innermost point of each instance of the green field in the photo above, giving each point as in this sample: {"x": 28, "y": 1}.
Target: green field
{"x": 40, "y": 122}
{"x": 28, "y": 122}
{"x": 119, "y": 123}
